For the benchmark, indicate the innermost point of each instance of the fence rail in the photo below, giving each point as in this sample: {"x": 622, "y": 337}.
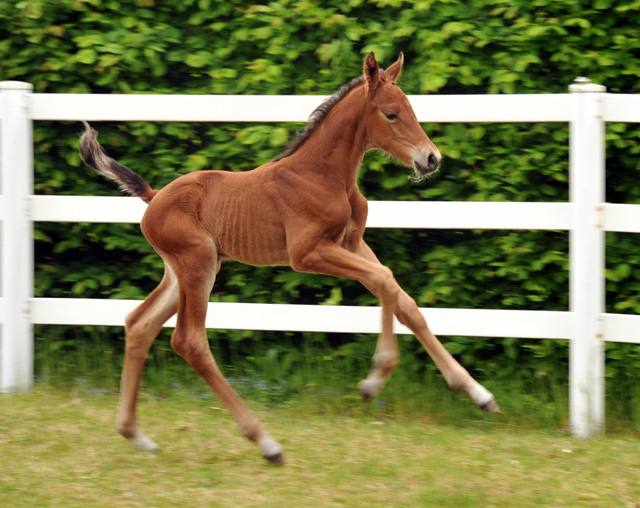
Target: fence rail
{"x": 586, "y": 218}
{"x": 382, "y": 214}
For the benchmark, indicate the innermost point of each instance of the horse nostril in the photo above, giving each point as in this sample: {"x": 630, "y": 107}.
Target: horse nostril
{"x": 432, "y": 162}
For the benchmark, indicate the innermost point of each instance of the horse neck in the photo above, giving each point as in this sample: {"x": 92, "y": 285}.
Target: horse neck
{"x": 338, "y": 145}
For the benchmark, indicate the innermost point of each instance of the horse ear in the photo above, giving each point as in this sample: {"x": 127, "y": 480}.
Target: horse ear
{"x": 371, "y": 73}
{"x": 394, "y": 70}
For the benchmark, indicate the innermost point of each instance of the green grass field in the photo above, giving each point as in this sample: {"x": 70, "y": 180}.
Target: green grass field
{"x": 60, "y": 449}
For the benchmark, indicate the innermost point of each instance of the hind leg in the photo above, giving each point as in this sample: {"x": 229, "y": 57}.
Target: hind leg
{"x": 142, "y": 327}
{"x": 196, "y": 276}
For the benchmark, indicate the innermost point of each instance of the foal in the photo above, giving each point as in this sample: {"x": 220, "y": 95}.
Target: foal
{"x": 302, "y": 209}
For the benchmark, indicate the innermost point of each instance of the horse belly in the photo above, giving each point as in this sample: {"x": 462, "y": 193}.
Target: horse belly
{"x": 253, "y": 248}
{"x": 250, "y": 234}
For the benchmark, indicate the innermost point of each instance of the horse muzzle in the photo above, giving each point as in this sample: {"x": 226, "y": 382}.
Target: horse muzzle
{"x": 428, "y": 166}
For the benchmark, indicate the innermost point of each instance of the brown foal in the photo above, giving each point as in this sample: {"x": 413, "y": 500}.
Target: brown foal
{"x": 302, "y": 209}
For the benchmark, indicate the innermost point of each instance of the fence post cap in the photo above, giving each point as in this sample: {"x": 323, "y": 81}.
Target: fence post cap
{"x": 583, "y": 84}
{"x": 15, "y": 85}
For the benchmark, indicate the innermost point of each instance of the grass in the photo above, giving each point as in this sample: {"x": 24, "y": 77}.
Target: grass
{"x": 59, "y": 448}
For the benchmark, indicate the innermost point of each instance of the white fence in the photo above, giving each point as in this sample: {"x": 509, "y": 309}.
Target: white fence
{"x": 586, "y": 218}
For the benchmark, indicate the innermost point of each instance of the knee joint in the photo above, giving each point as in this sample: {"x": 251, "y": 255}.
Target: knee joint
{"x": 385, "y": 286}
{"x": 131, "y": 327}
{"x": 195, "y": 351}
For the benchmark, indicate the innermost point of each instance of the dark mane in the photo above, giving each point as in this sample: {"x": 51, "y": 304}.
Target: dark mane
{"x": 316, "y": 118}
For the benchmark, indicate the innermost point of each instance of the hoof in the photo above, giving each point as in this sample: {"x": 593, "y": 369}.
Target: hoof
{"x": 368, "y": 389}
{"x": 277, "y": 459}
{"x": 145, "y": 444}
{"x": 139, "y": 439}
{"x": 271, "y": 450}
{"x": 490, "y": 407}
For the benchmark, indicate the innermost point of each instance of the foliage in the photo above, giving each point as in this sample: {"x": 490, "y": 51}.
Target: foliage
{"x": 312, "y": 47}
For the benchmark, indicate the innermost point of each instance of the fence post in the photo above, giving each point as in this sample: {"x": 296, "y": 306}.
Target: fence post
{"x": 587, "y": 257}
{"x": 16, "y": 253}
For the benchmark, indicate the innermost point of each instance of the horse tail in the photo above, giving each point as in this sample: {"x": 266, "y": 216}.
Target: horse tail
{"x": 95, "y": 156}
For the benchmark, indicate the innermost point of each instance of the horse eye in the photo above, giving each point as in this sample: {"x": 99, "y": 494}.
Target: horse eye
{"x": 391, "y": 116}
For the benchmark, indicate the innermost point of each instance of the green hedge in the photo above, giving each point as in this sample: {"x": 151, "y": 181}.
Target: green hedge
{"x": 312, "y": 47}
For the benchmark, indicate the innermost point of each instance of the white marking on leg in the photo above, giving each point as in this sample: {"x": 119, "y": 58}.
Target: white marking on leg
{"x": 271, "y": 449}
{"x": 483, "y": 398}
{"x": 142, "y": 442}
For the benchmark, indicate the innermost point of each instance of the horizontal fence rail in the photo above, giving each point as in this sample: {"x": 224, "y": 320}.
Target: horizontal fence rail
{"x": 289, "y": 108}
{"x": 524, "y": 324}
{"x": 296, "y": 108}
{"x": 586, "y": 218}
{"x": 317, "y": 318}
{"x": 382, "y": 214}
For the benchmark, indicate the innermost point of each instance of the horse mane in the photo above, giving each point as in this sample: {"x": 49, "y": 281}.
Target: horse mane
{"x": 317, "y": 116}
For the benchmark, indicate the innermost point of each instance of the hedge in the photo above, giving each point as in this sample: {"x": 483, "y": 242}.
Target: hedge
{"x": 313, "y": 47}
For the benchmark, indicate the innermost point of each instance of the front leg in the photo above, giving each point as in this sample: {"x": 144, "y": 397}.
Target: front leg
{"x": 361, "y": 264}
{"x": 385, "y": 359}
{"x": 408, "y": 314}
{"x": 328, "y": 258}
{"x": 456, "y": 376}
{"x": 387, "y": 355}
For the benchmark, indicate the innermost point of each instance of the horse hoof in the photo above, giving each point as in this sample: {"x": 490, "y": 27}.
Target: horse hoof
{"x": 367, "y": 390}
{"x": 139, "y": 439}
{"x": 145, "y": 444}
{"x": 490, "y": 407}
{"x": 276, "y": 458}
{"x": 271, "y": 449}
